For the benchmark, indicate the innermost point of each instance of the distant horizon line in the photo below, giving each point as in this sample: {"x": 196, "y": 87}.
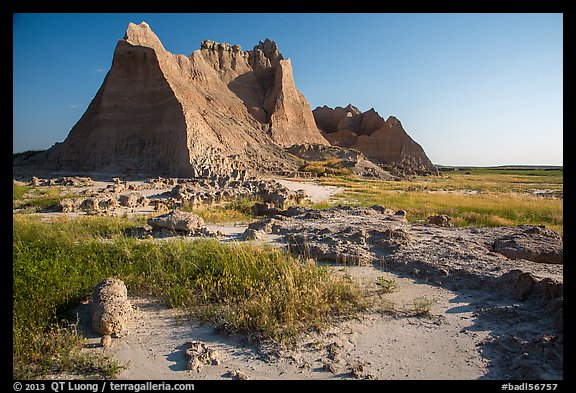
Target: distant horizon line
{"x": 436, "y": 165}
{"x": 521, "y": 166}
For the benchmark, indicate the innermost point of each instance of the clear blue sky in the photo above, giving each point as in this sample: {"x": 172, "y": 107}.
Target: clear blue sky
{"x": 472, "y": 89}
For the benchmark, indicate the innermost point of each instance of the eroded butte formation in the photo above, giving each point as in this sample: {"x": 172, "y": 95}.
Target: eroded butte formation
{"x": 385, "y": 142}
{"x": 218, "y": 110}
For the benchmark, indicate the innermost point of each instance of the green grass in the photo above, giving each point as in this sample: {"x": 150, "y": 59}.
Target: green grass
{"x": 482, "y": 197}
{"x": 334, "y": 167}
{"x": 261, "y": 292}
{"x": 18, "y": 191}
{"x": 238, "y": 211}
{"x": 387, "y": 285}
{"x": 421, "y": 306}
{"x": 35, "y": 199}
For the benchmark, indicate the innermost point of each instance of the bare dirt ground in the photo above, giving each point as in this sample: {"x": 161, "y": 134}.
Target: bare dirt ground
{"x": 379, "y": 345}
{"x": 479, "y": 325}
{"x": 316, "y": 192}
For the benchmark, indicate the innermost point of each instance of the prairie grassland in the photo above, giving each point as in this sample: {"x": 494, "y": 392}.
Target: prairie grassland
{"x": 472, "y": 198}
{"x": 260, "y": 291}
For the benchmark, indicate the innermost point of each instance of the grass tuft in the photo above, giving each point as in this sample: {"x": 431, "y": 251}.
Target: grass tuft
{"x": 387, "y": 285}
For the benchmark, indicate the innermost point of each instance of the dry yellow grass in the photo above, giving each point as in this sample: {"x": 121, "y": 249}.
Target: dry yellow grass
{"x": 486, "y": 198}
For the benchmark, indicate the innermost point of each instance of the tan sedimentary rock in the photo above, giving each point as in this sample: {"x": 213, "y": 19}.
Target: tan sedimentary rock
{"x": 199, "y": 354}
{"x": 179, "y": 221}
{"x": 111, "y": 308}
{"x": 218, "y": 110}
{"x": 384, "y": 142}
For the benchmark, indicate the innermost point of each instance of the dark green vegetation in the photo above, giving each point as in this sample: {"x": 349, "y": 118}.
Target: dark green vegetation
{"x": 261, "y": 292}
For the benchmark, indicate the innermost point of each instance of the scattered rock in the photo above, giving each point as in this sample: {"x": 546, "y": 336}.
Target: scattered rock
{"x": 133, "y": 199}
{"x": 237, "y": 374}
{"x": 330, "y": 367}
{"x": 358, "y": 371}
{"x": 69, "y": 181}
{"x": 440, "y": 220}
{"x": 199, "y": 354}
{"x": 179, "y": 222}
{"x": 252, "y": 234}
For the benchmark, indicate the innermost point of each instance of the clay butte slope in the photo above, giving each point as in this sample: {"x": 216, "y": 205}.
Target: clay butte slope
{"x": 218, "y": 110}
{"x": 383, "y": 141}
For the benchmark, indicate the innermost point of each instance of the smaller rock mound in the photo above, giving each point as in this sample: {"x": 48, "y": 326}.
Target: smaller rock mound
{"x": 179, "y": 222}
{"x": 532, "y": 243}
{"x": 324, "y": 160}
{"x": 200, "y": 354}
{"x": 111, "y": 308}
{"x": 440, "y": 220}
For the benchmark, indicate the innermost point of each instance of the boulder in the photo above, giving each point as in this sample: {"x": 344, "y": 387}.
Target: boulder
{"x": 252, "y": 234}
{"x": 179, "y": 221}
{"x": 111, "y": 308}
{"x": 133, "y": 199}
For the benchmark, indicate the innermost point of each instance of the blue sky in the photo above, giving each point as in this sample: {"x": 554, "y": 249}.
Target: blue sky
{"x": 472, "y": 89}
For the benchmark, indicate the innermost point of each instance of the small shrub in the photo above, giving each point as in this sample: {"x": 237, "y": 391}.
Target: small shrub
{"x": 243, "y": 205}
{"x": 422, "y": 306}
{"x": 387, "y": 285}
{"x": 335, "y": 167}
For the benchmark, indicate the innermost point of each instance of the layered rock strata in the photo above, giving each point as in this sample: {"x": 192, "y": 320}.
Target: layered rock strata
{"x": 218, "y": 110}
{"x": 383, "y": 141}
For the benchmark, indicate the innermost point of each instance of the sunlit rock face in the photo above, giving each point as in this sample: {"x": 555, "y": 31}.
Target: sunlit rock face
{"x": 218, "y": 110}
{"x": 382, "y": 141}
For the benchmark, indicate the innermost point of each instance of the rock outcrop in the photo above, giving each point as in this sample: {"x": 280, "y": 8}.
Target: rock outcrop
{"x": 383, "y": 141}
{"x": 218, "y": 110}
{"x": 179, "y": 222}
{"x": 340, "y": 158}
{"x": 111, "y": 308}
